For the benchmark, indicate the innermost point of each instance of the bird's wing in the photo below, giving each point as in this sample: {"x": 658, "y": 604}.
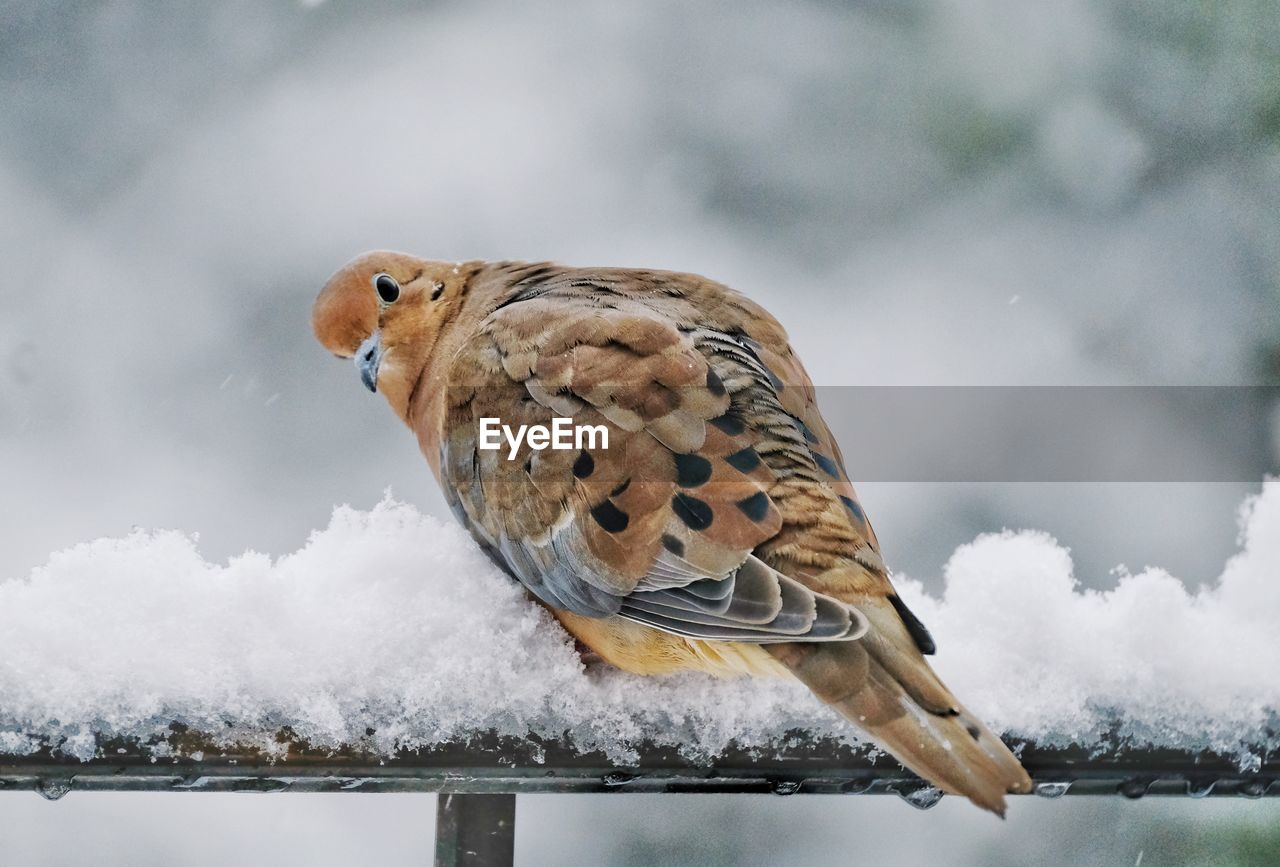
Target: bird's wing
{"x": 660, "y": 526}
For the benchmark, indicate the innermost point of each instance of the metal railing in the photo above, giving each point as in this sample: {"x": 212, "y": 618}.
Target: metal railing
{"x": 480, "y": 777}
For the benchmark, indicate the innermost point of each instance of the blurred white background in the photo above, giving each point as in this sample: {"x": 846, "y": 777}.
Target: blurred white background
{"x": 924, "y": 192}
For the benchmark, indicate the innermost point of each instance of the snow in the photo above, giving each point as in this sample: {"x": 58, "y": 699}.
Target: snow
{"x": 1038, "y": 656}
{"x": 392, "y": 621}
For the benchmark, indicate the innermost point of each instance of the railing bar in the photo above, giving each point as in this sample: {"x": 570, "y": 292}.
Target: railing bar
{"x": 475, "y": 830}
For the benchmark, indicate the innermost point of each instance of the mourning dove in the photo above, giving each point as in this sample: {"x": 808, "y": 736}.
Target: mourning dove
{"x": 717, "y": 531}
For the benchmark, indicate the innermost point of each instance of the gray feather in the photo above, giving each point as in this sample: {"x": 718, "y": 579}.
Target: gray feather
{"x": 763, "y": 606}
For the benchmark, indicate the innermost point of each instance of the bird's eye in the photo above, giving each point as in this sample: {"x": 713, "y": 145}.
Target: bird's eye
{"x": 387, "y": 288}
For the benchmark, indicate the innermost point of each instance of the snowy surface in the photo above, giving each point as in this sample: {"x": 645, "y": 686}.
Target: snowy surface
{"x": 393, "y": 621}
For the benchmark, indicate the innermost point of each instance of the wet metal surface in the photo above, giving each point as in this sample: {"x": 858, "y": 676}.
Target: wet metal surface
{"x": 489, "y": 764}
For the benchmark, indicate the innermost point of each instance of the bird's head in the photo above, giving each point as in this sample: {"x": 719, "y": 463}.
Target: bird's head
{"x": 386, "y": 310}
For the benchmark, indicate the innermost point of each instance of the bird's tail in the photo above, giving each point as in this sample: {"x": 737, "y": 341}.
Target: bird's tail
{"x": 883, "y": 685}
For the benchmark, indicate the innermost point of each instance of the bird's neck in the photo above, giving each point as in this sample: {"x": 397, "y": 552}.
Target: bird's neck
{"x": 428, "y": 401}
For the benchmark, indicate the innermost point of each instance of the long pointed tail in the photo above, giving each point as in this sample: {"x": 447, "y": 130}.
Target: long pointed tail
{"x": 883, "y": 685}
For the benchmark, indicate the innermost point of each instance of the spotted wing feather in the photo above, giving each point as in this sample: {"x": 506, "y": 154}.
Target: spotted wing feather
{"x": 660, "y": 526}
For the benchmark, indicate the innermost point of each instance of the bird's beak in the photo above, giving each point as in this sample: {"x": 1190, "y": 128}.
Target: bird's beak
{"x": 368, "y": 357}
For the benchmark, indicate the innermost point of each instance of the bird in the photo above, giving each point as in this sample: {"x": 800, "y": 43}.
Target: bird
{"x": 711, "y": 526}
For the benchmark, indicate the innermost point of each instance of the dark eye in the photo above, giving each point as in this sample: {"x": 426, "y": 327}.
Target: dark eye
{"x": 387, "y": 287}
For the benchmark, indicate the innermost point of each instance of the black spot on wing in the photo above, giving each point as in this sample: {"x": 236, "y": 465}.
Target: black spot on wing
{"x": 755, "y": 507}
{"x": 827, "y": 465}
{"x": 584, "y": 466}
{"x": 730, "y": 424}
{"x": 695, "y": 514}
{"x": 854, "y": 509}
{"x": 744, "y": 461}
{"x": 692, "y": 470}
{"x": 672, "y": 544}
{"x": 715, "y": 384}
{"x": 610, "y": 518}
{"x": 622, "y": 488}
{"x": 919, "y": 634}
{"x": 809, "y": 435}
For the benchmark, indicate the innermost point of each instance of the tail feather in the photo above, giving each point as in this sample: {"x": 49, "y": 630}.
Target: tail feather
{"x": 947, "y": 746}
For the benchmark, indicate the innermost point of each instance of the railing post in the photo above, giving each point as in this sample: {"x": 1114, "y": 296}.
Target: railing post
{"x": 475, "y": 830}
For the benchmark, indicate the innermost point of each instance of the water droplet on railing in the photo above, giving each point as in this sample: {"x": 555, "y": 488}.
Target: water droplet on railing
{"x": 192, "y": 781}
{"x": 922, "y": 796}
{"x": 1200, "y": 788}
{"x": 784, "y": 787}
{"x": 1252, "y": 789}
{"x": 1134, "y": 789}
{"x": 1052, "y": 789}
{"x": 52, "y": 790}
